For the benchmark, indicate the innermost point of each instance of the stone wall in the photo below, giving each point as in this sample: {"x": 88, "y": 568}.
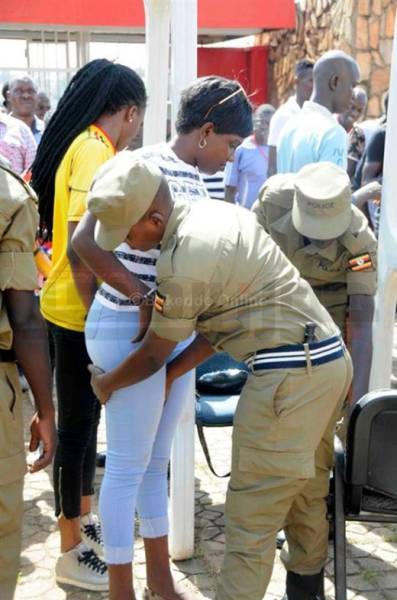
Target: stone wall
{"x": 363, "y": 28}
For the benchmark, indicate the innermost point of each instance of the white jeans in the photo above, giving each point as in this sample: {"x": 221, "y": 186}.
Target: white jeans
{"x": 139, "y": 432}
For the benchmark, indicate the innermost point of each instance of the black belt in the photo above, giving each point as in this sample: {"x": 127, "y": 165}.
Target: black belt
{"x": 7, "y": 356}
{"x": 297, "y": 355}
{"x": 115, "y": 299}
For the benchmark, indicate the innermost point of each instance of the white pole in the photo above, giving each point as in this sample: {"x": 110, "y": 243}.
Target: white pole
{"x": 157, "y": 27}
{"x": 183, "y": 72}
{"x": 183, "y": 49}
{"x": 386, "y": 297}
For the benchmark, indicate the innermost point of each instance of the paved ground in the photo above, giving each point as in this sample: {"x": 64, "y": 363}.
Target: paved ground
{"x": 372, "y": 549}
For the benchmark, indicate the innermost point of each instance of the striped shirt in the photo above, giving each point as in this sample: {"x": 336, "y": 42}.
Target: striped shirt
{"x": 185, "y": 183}
{"x": 215, "y": 185}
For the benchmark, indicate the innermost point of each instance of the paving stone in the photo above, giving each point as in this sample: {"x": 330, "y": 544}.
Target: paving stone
{"x": 366, "y": 581}
{"x": 210, "y": 533}
{"x": 388, "y": 581}
{"x": 375, "y": 564}
{"x": 191, "y": 567}
{"x": 371, "y": 596}
{"x": 351, "y": 567}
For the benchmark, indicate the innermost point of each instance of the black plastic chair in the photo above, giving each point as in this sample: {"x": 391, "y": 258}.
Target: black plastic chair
{"x": 218, "y": 385}
{"x": 365, "y": 474}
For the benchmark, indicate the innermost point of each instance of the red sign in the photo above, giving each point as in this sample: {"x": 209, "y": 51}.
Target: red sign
{"x": 228, "y": 15}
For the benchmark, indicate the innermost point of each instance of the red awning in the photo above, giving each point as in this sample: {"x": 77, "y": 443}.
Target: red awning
{"x": 214, "y": 16}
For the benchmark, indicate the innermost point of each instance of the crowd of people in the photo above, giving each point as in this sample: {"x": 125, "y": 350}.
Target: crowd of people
{"x": 150, "y": 274}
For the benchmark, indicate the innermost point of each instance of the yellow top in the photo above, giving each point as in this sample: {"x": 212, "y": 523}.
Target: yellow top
{"x": 60, "y": 301}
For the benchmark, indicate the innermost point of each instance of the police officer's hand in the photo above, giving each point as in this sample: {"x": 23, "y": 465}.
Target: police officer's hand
{"x": 370, "y": 191}
{"x": 374, "y": 191}
{"x": 43, "y": 436}
{"x": 97, "y": 384}
{"x": 145, "y": 316}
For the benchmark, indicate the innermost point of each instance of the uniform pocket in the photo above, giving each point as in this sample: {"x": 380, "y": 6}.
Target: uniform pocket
{"x": 12, "y": 457}
{"x": 258, "y": 397}
{"x": 11, "y": 425}
{"x": 295, "y": 465}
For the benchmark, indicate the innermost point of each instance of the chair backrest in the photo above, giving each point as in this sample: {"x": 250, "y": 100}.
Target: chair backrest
{"x": 371, "y": 448}
{"x": 220, "y": 361}
{"x": 218, "y": 381}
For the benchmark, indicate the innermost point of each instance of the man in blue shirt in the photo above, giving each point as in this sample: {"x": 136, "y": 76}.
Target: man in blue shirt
{"x": 314, "y": 135}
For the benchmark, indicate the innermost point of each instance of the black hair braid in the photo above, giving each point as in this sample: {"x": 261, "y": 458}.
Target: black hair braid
{"x": 100, "y": 87}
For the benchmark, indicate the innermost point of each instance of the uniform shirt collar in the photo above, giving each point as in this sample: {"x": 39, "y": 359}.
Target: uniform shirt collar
{"x": 285, "y": 226}
{"x": 329, "y": 252}
{"x": 179, "y": 212}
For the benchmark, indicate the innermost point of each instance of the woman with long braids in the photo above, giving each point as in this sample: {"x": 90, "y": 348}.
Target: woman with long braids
{"x": 99, "y": 113}
{"x": 214, "y": 116}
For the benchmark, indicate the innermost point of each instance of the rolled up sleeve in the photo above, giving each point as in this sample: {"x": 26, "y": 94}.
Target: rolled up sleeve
{"x": 17, "y": 267}
{"x": 17, "y": 271}
{"x": 361, "y": 283}
{"x": 178, "y": 304}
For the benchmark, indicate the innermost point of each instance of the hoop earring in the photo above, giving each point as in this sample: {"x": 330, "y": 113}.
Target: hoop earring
{"x": 202, "y": 144}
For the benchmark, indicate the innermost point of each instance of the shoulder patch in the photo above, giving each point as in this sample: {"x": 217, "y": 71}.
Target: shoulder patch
{"x": 360, "y": 263}
{"x": 159, "y": 301}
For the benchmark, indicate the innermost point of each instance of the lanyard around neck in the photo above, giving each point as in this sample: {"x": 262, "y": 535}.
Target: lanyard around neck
{"x": 258, "y": 147}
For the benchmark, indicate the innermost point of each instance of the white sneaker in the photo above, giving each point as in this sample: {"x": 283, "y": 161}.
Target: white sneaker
{"x": 82, "y": 568}
{"x": 91, "y": 533}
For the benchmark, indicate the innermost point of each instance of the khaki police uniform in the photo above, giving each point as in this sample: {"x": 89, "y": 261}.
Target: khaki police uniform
{"x": 345, "y": 267}
{"x": 221, "y": 275}
{"x": 18, "y": 224}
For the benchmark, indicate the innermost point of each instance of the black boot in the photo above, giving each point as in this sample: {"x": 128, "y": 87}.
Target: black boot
{"x": 305, "y": 587}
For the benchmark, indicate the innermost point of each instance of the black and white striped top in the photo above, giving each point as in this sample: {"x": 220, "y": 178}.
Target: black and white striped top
{"x": 185, "y": 183}
{"x": 215, "y": 185}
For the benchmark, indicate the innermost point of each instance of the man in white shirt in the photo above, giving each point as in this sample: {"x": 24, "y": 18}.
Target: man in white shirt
{"x": 314, "y": 134}
{"x": 303, "y": 90}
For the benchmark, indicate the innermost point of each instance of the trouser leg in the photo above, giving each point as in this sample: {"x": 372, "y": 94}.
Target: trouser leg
{"x": 306, "y": 525}
{"x": 12, "y": 470}
{"x": 89, "y": 464}
{"x": 152, "y": 502}
{"x": 78, "y": 411}
{"x": 280, "y": 421}
{"x": 11, "y": 514}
